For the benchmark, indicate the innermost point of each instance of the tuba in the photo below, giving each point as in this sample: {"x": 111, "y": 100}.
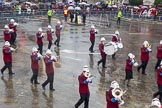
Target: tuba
{"x": 117, "y": 92}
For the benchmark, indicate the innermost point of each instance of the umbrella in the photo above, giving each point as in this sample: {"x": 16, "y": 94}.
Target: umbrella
{"x": 153, "y": 9}
{"x": 70, "y": 8}
{"x": 114, "y": 6}
{"x": 82, "y": 3}
{"x": 136, "y": 7}
{"x": 144, "y": 7}
{"x": 77, "y": 8}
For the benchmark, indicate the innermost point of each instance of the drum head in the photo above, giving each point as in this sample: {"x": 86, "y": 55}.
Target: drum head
{"x": 109, "y": 49}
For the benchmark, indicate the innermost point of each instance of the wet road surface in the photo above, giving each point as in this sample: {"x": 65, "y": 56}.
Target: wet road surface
{"x": 17, "y": 92}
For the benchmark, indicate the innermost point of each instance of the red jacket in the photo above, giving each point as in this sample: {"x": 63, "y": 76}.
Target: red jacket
{"x": 109, "y": 96}
{"x": 144, "y": 54}
{"x": 49, "y": 35}
{"x": 7, "y": 54}
{"x": 34, "y": 61}
{"x": 114, "y": 39}
{"x": 101, "y": 48}
{"x": 48, "y": 65}
{"x": 92, "y": 34}
{"x": 159, "y": 51}
{"x": 39, "y": 38}
{"x": 7, "y": 35}
{"x": 83, "y": 88}
{"x": 58, "y": 29}
{"x": 129, "y": 64}
{"x": 12, "y": 26}
{"x": 159, "y": 75}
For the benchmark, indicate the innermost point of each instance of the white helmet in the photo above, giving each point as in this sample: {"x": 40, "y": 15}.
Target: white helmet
{"x": 7, "y": 43}
{"x": 85, "y": 68}
{"x": 146, "y": 43}
{"x": 131, "y": 55}
{"x": 161, "y": 63}
{"x": 117, "y": 32}
{"x": 34, "y": 49}
{"x": 48, "y": 52}
{"x": 102, "y": 39}
{"x": 58, "y": 22}
{"x": 40, "y": 30}
{"x": 156, "y": 102}
{"x": 49, "y": 26}
{"x": 12, "y": 20}
{"x": 160, "y": 41}
{"x": 92, "y": 26}
{"x": 6, "y": 27}
{"x": 114, "y": 84}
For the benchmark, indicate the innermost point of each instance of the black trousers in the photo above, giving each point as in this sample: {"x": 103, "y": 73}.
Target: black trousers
{"x": 92, "y": 45}
{"x": 143, "y": 66}
{"x": 34, "y": 76}
{"x": 118, "y": 20}
{"x": 13, "y": 38}
{"x": 83, "y": 98}
{"x": 103, "y": 60}
{"x": 57, "y": 42}
{"x": 158, "y": 63}
{"x": 49, "y": 20}
{"x": 159, "y": 92}
{"x": 50, "y": 79}
{"x": 84, "y": 19}
{"x": 7, "y": 65}
{"x": 40, "y": 48}
{"x": 49, "y": 44}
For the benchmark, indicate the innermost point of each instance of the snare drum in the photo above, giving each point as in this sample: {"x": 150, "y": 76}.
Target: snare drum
{"x": 109, "y": 49}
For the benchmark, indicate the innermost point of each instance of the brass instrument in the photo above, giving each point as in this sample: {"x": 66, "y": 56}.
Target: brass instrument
{"x": 118, "y": 93}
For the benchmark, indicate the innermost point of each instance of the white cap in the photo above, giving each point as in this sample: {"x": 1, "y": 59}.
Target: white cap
{"x": 58, "y": 22}
{"x": 131, "y": 55}
{"x": 6, "y": 27}
{"x": 49, "y": 26}
{"x": 40, "y": 29}
{"x": 102, "y": 39}
{"x": 156, "y": 102}
{"x": 7, "y": 43}
{"x": 146, "y": 44}
{"x": 160, "y": 41}
{"x": 85, "y": 68}
{"x": 117, "y": 32}
{"x": 34, "y": 49}
{"x": 114, "y": 84}
{"x": 48, "y": 52}
{"x": 92, "y": 26}
{"x": 12, "y": 20}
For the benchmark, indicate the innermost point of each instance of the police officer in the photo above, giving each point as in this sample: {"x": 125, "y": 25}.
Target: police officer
{"x": 48, "y": 60}
{"x": 49, "y": 14}
{"x": 7, "y": 58}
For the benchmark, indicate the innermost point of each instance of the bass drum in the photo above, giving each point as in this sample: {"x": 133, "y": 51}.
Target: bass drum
{"x": 109, "y": 49}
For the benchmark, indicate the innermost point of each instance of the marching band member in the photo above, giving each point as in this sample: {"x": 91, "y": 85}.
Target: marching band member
{"x": 155, "y": 103}
{"x": 48, "y": 60}
{"x": 13, "y": 25}
{"x": 92, "y": 32}
{"x": 116, "y": 40}
{"x": 159, "y": 54}
{"x": 84, "y": 79}
{"x": 7, "y": 33}
{"x": 58, "y": 29}
{"x": 112, "y": 102}
{"x": 35, "y": 57}
{"x": 7, "y": 58}
{"x": 49, "y": 36}
{"x": 102, "y": 53}
{"x": 145, "y": 50}
{"x": 159, "y": 82}
{"x": 39, "y": 36}
{"x": 128, "y": 68}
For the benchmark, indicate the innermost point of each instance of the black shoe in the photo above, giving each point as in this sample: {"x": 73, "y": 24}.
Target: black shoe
{"x": 104, "y": 67}
{"x": 43, "y": 87}
{"x": 98, "y": 64}
{"x": 36, "y": 83}
{"x": 52, "y": 89}
{"x": 128, "y": 85}
{"x": 144, "y": 74}
{"x": 11, "y": 73}
{"x": 31, "y": 81}
{"x": 138, "y": 69}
